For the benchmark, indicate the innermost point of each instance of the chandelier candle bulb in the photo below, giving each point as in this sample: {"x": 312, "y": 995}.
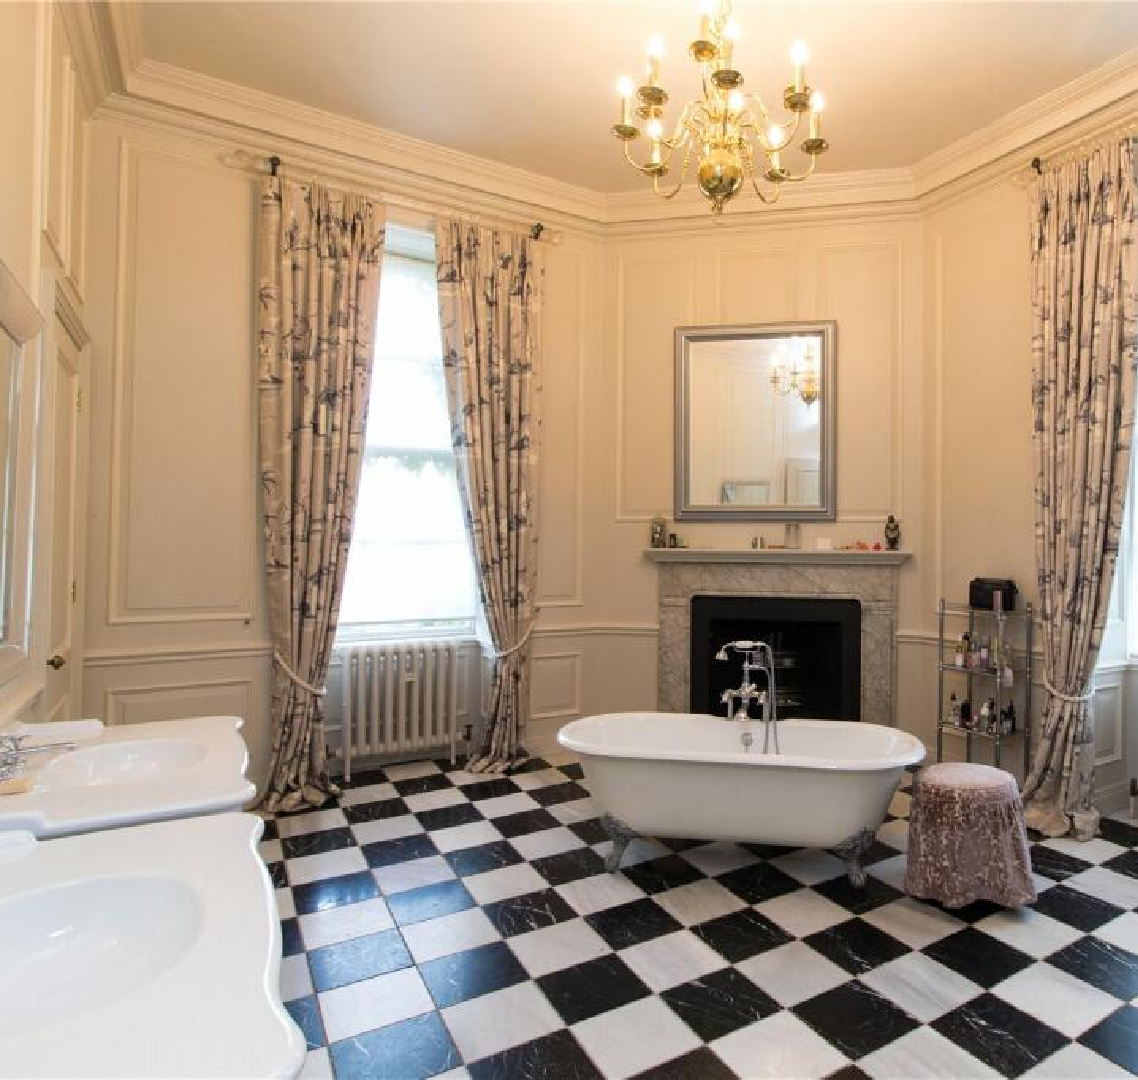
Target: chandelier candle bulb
{"x": 625, "y": 88}
{"x": 817, "y": 103}
{"x": 655, "y": 52}
{"x": 727, "y": 48}
{"x": 799, "y": 54}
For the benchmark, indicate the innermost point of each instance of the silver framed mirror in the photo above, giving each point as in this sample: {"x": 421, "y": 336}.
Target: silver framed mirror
{"x": 756, "y": 422}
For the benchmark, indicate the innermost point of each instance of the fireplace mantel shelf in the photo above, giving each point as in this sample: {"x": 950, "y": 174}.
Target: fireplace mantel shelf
{"x": 777, "y": 556}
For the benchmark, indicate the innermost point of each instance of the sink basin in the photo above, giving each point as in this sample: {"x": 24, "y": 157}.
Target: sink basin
{"x": 75, "y": 947}
{"x": 121, "y": 762}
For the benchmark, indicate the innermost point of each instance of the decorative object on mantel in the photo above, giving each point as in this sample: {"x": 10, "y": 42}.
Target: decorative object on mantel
{"x": 789, "y": 556}
{"x": 658, "y": 532}
{"x": 892, "y": 533}
{"x": 792, "y": 535}
{"x": 725, "y": 128}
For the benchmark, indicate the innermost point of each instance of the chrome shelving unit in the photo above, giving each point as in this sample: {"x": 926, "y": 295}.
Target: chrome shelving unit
{"x": 1018, "y": 655}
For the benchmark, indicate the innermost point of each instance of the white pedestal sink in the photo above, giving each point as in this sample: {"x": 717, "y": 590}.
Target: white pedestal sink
{"x": 131, "y": 774}
{"x": 145, "y": 951}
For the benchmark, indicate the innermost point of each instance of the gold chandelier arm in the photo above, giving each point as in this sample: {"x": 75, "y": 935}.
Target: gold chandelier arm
{"x": 749, "y": 167}
{"x": 803, "y": 176}
{"x": 639, "y": 168}
{"x": 679, "y": 181}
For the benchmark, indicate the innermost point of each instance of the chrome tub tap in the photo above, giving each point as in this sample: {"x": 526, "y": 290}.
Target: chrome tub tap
{"x": 757, "y": 658}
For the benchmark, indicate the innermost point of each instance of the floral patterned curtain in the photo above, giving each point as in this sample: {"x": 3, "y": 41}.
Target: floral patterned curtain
{"x": 320, "y": 255}
{"x": 490, "y": 298}
{"x": 1084, "y": 342}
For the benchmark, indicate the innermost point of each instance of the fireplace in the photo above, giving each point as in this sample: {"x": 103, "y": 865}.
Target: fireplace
{"x": 816, "y": 643}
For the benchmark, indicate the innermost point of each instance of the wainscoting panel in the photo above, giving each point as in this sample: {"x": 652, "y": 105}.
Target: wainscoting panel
{"x": 758, "y": 285}
{"x": 556, "y": 686}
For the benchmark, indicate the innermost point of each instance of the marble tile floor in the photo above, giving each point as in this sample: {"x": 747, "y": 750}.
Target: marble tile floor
{"x": 437, "y": 922}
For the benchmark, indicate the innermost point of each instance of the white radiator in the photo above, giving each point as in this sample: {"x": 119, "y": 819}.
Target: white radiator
{"x": 398, "y": 697}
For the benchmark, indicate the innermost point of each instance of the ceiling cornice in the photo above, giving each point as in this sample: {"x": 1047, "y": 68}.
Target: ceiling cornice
{"x": 94, "y": 51}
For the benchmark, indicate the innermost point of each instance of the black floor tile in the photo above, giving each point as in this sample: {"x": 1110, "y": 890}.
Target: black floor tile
{"x": 973, "y": 912}
{"x": 849, "y": 1072}
{"x": 573, "y": 771}
{"x": 356, "y": 959}
{"x": 1126, "y": 863}
{"x": 461, "y": 976}
{"x": 701, "y": 1064}
{"x": 874, "y": 893}
{"x": 594, "y": 987}
{"x": 533, "y": 764}
{"x": 363, "y": 779}
{"x": 1101, "y": 964}
{"x": 333, "y": 892}
{"x": 590, "y": 830}
{"x": 1117, "y": 832}
{"x": 291, "y": 941}
{"x": 558, "y": 793}
{"x": 410, "y": 1050}
{"x": 380, "y": 810}
{"x": 857, "y": 946}
{"x": 479, "y": 860}
{"x": 1075, "y": 908}
{"x": 758, "y": 882}
{"x": 278, "y": 874}
{"x": 632, "y": 923}
{"x": 978, "y": 957}
{"x": 306, "y": 1014}
{"x": 429, "y": 902}
{"x": 528, "y": 821}
{"x": 1055, "y": 864}
{"x": 391, "y": 852}
{"x": 489, "y": 789}
{"x": 1005, "y": 1039}
{"x": 520, "y": 914}
{"x": 719, "y": 1003}
{"x": 270, "y": 831}
{"x": 667, "y": 872}
{"x": 1116, "y": 1038}
{"x": 316, "y": 843}
{"x": 741, "y": 935}
{"x": 447, "y": 817}
{"x": 420, "y": 785}
{"x": 555, "y": 1057}
{"x": 569, "y": 866}
{"x": 855, "y": 1019}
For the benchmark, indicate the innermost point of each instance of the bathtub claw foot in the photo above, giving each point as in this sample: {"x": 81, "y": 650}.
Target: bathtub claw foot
{"x": 621, "y": 836}
{"x": 850, "y": 852}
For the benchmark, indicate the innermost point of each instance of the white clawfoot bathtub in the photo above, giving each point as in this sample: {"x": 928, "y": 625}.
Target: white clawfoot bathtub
{"x": 689, "y": 776}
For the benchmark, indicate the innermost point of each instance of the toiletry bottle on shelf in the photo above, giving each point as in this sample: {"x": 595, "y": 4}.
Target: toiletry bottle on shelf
{"x": 966, "y": 714}
{"x": 984, "y": 653}
{"x": 953, "y": 716}
{"x": 1133, "y": 799}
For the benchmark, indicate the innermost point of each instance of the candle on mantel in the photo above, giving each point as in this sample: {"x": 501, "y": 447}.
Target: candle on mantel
{"x": 625, "y": 88}
{"x": 817, "y": 104}
{"x": 799, "y": 54}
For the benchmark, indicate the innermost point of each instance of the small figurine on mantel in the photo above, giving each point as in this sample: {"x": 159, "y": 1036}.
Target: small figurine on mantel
{"x": 658, "y": 535}
{"x": 892, "y": 533}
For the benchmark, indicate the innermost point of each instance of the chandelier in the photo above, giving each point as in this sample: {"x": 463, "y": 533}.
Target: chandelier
{"x": 800, "y": 377}
{"x": 728, "y": 131}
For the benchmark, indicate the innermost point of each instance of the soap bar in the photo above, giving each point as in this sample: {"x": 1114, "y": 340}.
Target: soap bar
{"x": 18, "y": 786}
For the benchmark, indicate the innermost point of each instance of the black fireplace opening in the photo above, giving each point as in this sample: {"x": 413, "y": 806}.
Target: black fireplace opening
{"x": 816, "y": 644}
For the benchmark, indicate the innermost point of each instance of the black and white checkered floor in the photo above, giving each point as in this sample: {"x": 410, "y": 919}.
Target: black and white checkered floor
{"x": 440, "y": 922}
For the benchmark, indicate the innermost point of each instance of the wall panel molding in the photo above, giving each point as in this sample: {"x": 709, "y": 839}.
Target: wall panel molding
{"x": 570, "y": 662}
{"x": 125, "y": 704}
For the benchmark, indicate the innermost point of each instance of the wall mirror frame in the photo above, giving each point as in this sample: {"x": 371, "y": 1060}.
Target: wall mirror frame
{"x": 20, "y": 325}
{"x": 756, "y": 422}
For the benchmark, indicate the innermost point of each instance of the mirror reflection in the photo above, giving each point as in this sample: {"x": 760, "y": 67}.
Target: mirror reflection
{"x": 755, "y": 421}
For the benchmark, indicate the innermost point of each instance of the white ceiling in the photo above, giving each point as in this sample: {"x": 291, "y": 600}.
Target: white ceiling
{"x": 533, "y": 84}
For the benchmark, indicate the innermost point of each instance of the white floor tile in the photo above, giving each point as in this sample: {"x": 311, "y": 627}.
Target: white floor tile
{"x": 699, "y": 902}
{"x": 434, "y": 800}
{"x": 317, "y": 1065}
{"x": 369, "y": 793}
{"x": 372, "y": 1003}
{"x": 413, "y": 874}
{"x": 599, "y": 892}
{"x": 569, "y": 813}
{"x": 923, "y": 1053}
{"x": 343, "y": 923}
{"x": 803, "y": 912}
{"x": 548, "y": 842}
{"x": 271, "y": 850}
{"x": 1097, "y": 850}
{"x": 792, "y": 973}
{"x": 508, "y": 881}
{"x": 494, "y": 1022}
{"x": 562, "y": 945}
{"x": 395, "y": 828}
{"x": 628, "y": 1040}
{"x": 412, "y": 770}
{"x": 915, "y": 923}
{"x": 1076, "y": 1062}
{"x": 465, "y": 836}
{"x": 901, "y": 804}
{"x": 891, "y": 871}
{"x": 286, "y": 906}
{"x": 1026, "y": 929}
{"x": 449, "y": 934}
{"x": 1058, "y": 999}
{"x": 518, "y": 803}
{"x": 778, "y": 1047}
{"x": 327, "y": 864}
{"x": 810, "y": 866}
{"x": 314, "y": 821}
{"x": 895, "y": 834}
{"x": 1122, "y": 931}
{"x": 638, "y": 851}
{"x": 921, "y": 986}
{"x": 718, "y": 858}
{"x": 672, "y": 959}
{"x": 1107, "y": 885}
{"x": 296, "y": 982}
{"x": 529, "y": 781}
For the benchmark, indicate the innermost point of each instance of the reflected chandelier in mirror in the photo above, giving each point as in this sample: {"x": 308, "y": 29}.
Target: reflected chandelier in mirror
{"x": 756, "y": 422}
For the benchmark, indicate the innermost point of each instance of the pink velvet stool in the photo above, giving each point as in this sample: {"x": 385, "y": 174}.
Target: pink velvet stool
{"x": 967, "y": 839}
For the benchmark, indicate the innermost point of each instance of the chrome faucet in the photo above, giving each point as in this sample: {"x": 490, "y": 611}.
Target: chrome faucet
{"x": 757, "y": 657}
{"x": 14, "y": 754}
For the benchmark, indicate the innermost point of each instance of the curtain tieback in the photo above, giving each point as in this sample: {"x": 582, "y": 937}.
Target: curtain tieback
{"x": 319, "y": 691}
{"x": 522, "y": 643}
{"x": 1071, "y": 699}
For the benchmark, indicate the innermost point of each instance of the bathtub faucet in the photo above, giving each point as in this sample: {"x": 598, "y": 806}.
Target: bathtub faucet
{"x": 757, "y": 657}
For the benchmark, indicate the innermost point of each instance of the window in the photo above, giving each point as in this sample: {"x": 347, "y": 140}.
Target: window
{"x": 409, "y": 567}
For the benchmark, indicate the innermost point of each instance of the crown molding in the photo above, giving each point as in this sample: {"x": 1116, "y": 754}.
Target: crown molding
{"x": 94, "y": 49}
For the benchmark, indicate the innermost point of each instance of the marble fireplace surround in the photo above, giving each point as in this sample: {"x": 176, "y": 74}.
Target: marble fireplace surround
{"x": 865, "y": 576}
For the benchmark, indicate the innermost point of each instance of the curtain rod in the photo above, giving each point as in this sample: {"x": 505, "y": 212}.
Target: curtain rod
{"x": 537, "y": 231}
{"x": 1126, "y": 130}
